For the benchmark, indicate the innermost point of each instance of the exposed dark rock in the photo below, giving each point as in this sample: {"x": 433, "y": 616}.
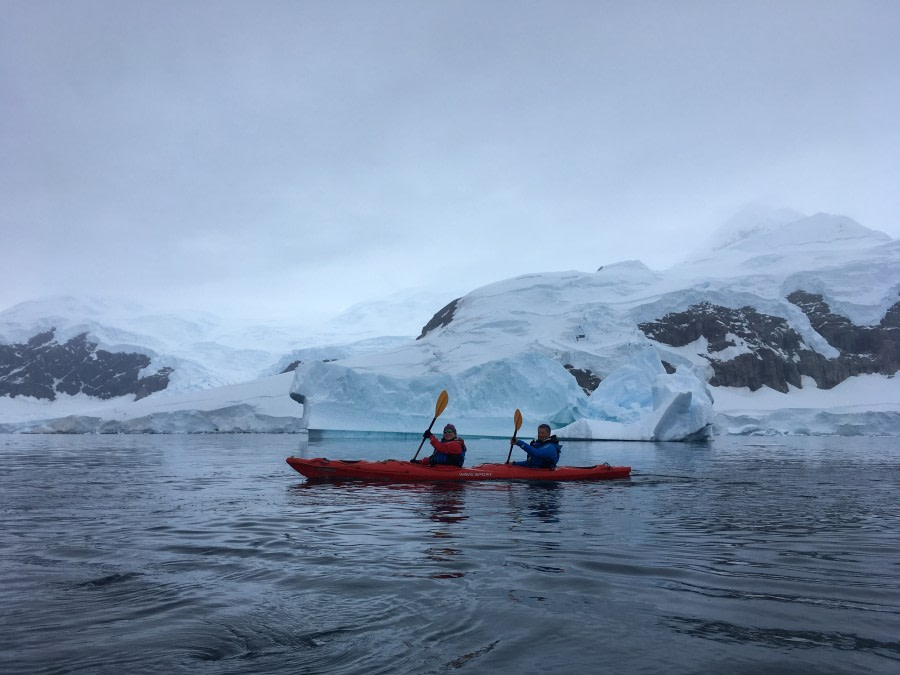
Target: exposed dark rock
{"x": 41, "y": 338}
{"x": 442, "y": 318}
{"x": 42, "y": 368}
{"x": 864, "y": 349}
{"x": 670, "y": 369}
{"x": 153, "y": 383}
{"x": 715, "y": 323}
{"x": 838, "y": 331}
{"x": 773, "y": 354}
{"x": 585, "y": 378}
{"x": 892, "y": 317}
{"x": 291, "y": 367}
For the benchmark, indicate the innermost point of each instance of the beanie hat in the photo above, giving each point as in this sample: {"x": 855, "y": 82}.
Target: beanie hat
{"x": 449, "y": 427}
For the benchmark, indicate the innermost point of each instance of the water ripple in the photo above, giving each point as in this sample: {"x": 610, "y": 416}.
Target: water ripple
{"x": 207, "y": 554}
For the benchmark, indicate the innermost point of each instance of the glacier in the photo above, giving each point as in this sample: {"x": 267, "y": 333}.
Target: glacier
{"x": 532, "y": 342}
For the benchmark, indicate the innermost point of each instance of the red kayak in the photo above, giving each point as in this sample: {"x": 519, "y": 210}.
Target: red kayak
{"x": 394, "y": 470}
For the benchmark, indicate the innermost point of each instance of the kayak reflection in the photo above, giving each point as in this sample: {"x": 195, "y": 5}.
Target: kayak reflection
{"x": 446, "y": 502}
{"x": 447, "y": 507}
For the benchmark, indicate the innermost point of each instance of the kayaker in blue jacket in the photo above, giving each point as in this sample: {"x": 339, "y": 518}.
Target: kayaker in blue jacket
{"x": 449, "y": 450}
{"x": 543, "y": 452}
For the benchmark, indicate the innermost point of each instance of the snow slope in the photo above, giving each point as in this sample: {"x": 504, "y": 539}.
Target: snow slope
{"x": 261, "y": 405}
{"x": 507, "y": 345}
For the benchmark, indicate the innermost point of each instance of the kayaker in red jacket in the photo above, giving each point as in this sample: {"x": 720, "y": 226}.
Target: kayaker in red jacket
{"x": 448, "y": 450}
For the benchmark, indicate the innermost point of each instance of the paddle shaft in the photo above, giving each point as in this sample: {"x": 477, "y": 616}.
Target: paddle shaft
{"x": 517, "y": 419}
{"x": 511, "y": 444}
{"x": 442, "y": 400}
{"x": 423, "y": 439}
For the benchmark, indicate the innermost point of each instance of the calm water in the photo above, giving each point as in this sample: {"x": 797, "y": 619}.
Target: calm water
{"x": 208, "y": 554}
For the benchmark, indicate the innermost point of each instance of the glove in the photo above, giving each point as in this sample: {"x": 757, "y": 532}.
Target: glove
{"x": 427, "y": 434}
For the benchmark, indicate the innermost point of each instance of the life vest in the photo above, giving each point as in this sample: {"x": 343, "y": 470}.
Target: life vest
{"x": 544, "y": 462}
{"x": 439, "y": 457}
{"x": 547, "y": 463}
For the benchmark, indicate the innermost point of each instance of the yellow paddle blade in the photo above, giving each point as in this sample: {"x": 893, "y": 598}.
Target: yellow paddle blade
{"x": 518, "y": 420}
{"x": 442, "y": 401}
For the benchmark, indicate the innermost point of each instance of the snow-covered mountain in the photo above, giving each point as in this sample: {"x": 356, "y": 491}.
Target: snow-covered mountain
{"x": 97, "y": 364}
{"x": 775, "y": 306}
{"x": 201, "y": 349}
{"x": 780, "y": 323}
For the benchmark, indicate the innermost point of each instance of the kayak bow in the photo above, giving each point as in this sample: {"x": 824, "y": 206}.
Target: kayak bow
{"x": 392, "y": 470}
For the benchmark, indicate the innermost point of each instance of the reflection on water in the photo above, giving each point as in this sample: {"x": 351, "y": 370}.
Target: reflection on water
{"x": 187, "y": 554}
{"x": 446, "y": 502}
{"x": 543, "y": 501}
{"x": 446, "y": 508}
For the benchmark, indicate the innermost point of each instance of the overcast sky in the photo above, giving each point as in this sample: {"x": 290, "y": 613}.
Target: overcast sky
{"x": 289, "y": 159}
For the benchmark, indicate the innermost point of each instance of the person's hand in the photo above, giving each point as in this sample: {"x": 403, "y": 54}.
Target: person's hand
{"x": 512, "y": 441}
{"x": 427, "y": 434}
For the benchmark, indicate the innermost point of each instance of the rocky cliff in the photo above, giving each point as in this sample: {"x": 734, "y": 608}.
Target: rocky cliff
{"x": 42, "y": 367}
{"x": 747, "y": 348}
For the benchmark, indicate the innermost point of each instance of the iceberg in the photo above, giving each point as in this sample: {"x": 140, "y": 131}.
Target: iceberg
{"x": 482, "y": 397}
{"x": 640, "y": 401}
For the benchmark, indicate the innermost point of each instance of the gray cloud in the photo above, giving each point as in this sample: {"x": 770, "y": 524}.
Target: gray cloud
{"x": 299, "y": 157}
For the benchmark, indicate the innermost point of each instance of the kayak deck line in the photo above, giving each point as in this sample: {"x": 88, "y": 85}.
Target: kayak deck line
{"x": 394, "y": 470}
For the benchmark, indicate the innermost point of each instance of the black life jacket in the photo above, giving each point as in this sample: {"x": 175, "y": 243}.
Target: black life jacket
{"x": 544, "y": 462}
